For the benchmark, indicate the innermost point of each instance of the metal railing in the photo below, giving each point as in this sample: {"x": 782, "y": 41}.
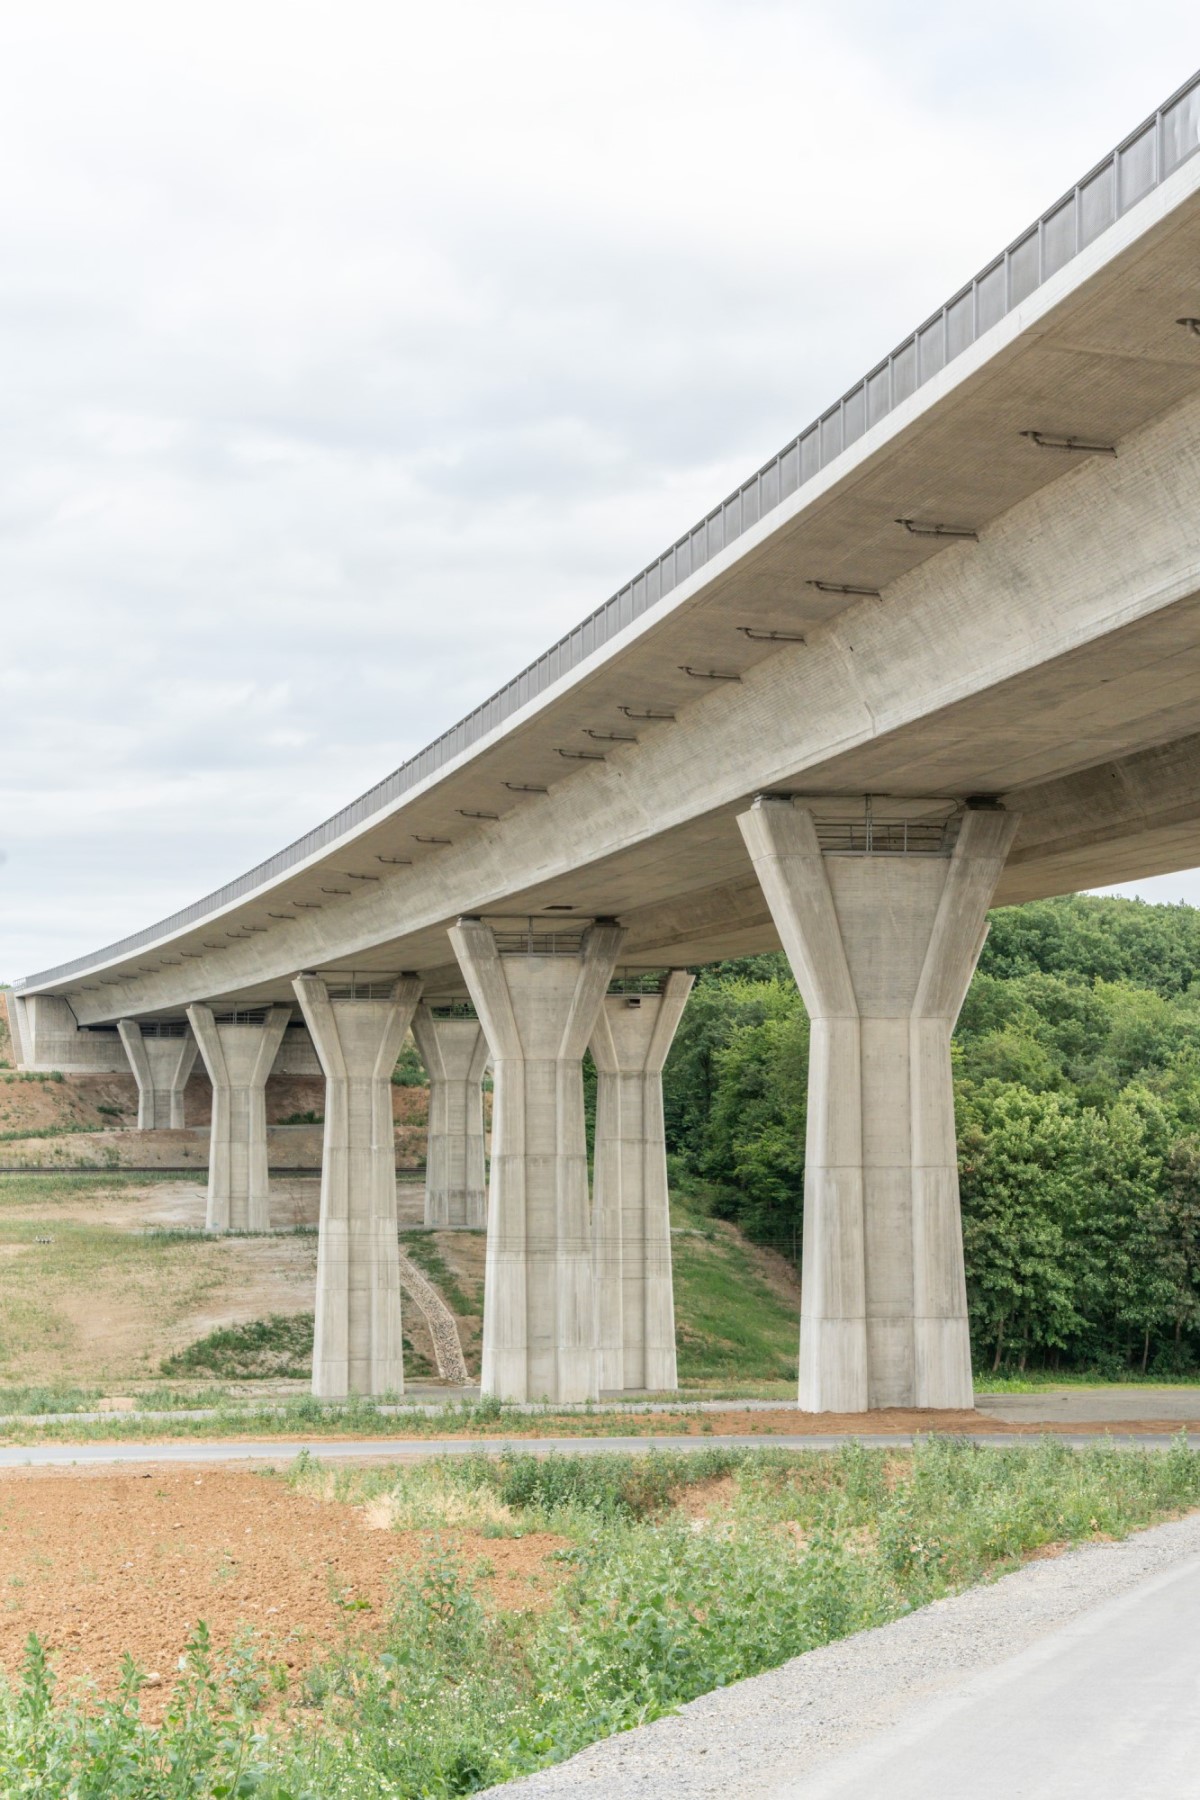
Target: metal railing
{"x": 887, "y": 837}
{"x": 361, "y": 990}
{"x": 1138, "y": 164}
{"x": 532, "y": 942}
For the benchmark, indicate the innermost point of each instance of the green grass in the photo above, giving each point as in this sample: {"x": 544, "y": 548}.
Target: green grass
{"x": 23, "y": 1188}
{"x": 18, "y": 1402}
{"x": 60, "y": 1260}
{"x": 729, "y": 1322}
{"x": 1039, "y": 1380}
{"x": 49, "y": 1131}
{"x": 279, "y": 1346}
{"x": 228, "y": 1415}
{"x": 49, "y": 1399}
{"x": 647, "y": 1612}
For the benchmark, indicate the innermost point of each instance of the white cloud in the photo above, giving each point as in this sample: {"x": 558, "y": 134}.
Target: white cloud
{"x": 337, "y": 335}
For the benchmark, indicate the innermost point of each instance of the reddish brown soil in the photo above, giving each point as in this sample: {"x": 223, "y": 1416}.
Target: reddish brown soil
{"x": 75, "y": 1100}
{"x": 890, "y": 1421}
{"x": 99, "y": 1564}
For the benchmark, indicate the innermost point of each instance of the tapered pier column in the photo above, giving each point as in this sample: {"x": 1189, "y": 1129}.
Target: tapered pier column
{"x": 455, "y": 1053}
{"x": 239, "y": 1055}
{"x": 161, "y": 1066}
{"x": 357, "y": 1345}
{"x": 631, "y": 1224}
{"x": 883, "y": 943}
{"x": 538, "y": 998}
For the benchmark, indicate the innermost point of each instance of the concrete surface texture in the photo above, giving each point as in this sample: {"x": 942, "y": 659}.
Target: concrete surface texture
{"x": 1108, "y": 1707}
{"x": 161, "y": 1066}
{"x": 1076, "y": 1678}
{"x": 239, "y": 1055}
{"x": 455, "y": 1053}
{"x": 357, "y": 1345}
{"x": 538, "y": 1011}
{"x": 631, "y": 1220}
{"x": 46, "y": 1035}
{"x": 883, "y": 947}
{"x": 15, "y": 1009}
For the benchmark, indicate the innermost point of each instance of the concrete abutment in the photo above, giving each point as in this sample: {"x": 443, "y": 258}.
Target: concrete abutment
{"x": 883, "y": 945}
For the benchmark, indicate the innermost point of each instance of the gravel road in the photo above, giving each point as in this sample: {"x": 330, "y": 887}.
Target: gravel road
{"x": 1076, "y": 1676}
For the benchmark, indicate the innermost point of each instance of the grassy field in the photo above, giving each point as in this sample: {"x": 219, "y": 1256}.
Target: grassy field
{"x": 1039, "y": 1381}
{"x": 108, "y": 1284}
{"x": 660, "y": 1578}
{"x": 92, "y": 1295}
{"x": 737, "y": 1308}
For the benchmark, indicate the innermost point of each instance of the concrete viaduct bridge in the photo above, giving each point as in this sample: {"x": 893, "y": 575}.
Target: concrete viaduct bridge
{"x": 942, "y": 652}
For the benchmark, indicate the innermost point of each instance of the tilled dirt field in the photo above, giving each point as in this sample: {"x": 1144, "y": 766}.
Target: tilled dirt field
{"x": 100, "y": 1564}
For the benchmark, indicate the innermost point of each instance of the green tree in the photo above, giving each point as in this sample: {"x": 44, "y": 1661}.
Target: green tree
{"x": 1019, "y": 1161}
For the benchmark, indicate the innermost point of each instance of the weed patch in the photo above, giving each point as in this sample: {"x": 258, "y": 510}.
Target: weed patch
{"x": 652, "y": 1606}
{"x": 279, "y": 1346}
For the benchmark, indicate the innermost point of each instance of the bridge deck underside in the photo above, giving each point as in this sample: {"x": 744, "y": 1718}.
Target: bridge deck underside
{"x": 1053, "y": 664}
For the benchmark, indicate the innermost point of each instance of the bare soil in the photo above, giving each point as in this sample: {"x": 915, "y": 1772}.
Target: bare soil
{"x": 100, "y": 1564}
{"x": 96, "y": 1116}
{"x": 109, "y": 1309}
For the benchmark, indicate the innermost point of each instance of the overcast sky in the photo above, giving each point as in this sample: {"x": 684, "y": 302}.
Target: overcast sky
{"x": 350, "y": 353}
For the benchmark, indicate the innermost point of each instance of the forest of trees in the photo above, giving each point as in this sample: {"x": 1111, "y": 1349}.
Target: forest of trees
{"x": 1077, "y": 1078}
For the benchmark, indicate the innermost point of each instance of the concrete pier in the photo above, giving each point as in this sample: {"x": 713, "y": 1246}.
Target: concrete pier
{"x": 883, "y": 946}
{"x": 455, "y": 1053}
{"x": 631, "y": 1224}
{"x": 538, "y": 998}
{"x": 239, "y": 1054}
{"x": 161, "y": 1066}
{"x": 357, "y": 1346}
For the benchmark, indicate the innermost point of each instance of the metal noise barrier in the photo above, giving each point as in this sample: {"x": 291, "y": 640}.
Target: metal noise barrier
{"x": 1134, "y": 169}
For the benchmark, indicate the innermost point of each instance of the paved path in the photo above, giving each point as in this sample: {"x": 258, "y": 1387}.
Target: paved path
{"x": 1108, "y": 1708}
{"x": 1078, "y": 1406}
{"x": 275, "y": 1450}
{"x": 1076, "y": 1678}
